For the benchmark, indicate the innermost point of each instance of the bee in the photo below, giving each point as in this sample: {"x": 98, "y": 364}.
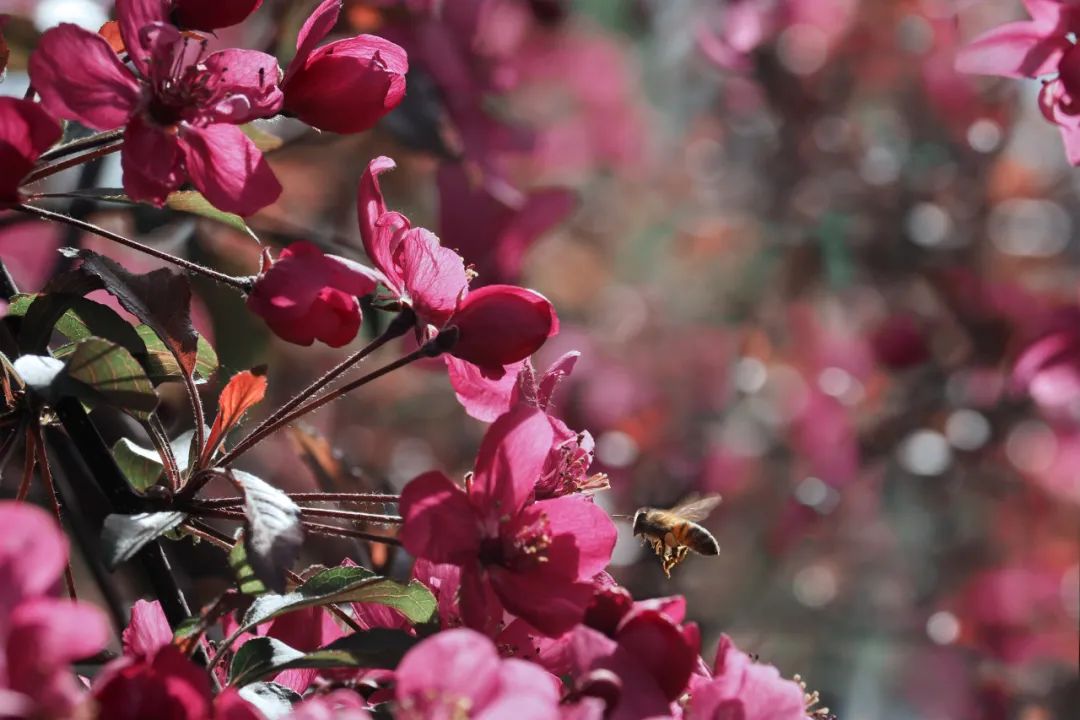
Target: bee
{"x": 673, "y": 533}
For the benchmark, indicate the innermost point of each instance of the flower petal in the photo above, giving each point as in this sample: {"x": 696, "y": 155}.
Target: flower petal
{"x": 502, "y": 324}
{"x": 315, "y": 28}
{"x": 548, "y": 602}
{"x": 152, "y": 162}
{"x": 439, "y": 522}
{"x": 526, "y": 692}
{"x": 213, "y": 14}
{"x": 485, "y": 395}
{"x": 453, "y": 665}
{"x": 434, "y": 276}
{"x": 79, "y": 77}
{"x": 371, "y": 207}
{"x": 134, "y": 15}
{"x": 592, "y": 531}
{"x": 247, "y": 83}
{"x": 148, "y": 630}
{"x": 33, "y": 553}
{"x": 26, "y": 131}
{"x": 1020, "y": 49}
{"x": 228, "y": 169}
{"x": 510, "y": 460}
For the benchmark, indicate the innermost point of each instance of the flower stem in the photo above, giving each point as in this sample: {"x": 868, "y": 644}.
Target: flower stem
{"x": 86, "y": 143}
{"x": 235, "y": 282}
{"x": 310, "y": 497}
{"x": 433, "y": 348}
{"x": 48, "y": 170}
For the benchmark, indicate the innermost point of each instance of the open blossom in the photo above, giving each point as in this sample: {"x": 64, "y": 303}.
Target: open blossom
{"x": 646, "y": 645}
{"x": 1048, "y": 368}
{"x": 26, "y": 131}
{"x": 180, "y": 107}
{"x": 498, "y": 325}
{"x": 743, "y": 688}
{"x": 347, "y": 85}
{"x": 212, "y": 14}
{"x": 40, "y": 636}
{"x": 534, "y": 560}
{"x": 306, "y": 295}
{"x": 1033, "y": 48}
{"x": 458, "y": 673}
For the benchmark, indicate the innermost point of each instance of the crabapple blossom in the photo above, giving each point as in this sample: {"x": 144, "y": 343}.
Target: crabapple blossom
{"x": 26, "y": 131}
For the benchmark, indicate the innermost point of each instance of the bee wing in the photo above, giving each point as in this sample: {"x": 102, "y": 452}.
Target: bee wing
{"x": 696, "y": 509}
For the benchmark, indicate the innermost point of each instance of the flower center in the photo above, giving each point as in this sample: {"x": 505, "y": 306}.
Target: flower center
{"x": 518, "y": 547}
{"x": 435, "y": 704}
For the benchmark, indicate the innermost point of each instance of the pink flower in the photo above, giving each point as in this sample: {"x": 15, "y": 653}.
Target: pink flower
{"x": 458, "y": 673}
{"x": 148, "y": 630}
{"x": 498, "y": 325}
{"x": 26, "y": 131}
{"x": 347, "y": 85}
{"x": 212, "y": 14}
{"x": 180, "y": 108}
{"x": 40, "y": 636}
{"x": 742, "y": 688}
{"x": 306, "y": 295}
{"x": 491, "y": 233}
{"x": 1048, "y": 368}
{"x": 535, "y": 560}
{"x": 336, "y": 705}
{"x": 645, "y": 645}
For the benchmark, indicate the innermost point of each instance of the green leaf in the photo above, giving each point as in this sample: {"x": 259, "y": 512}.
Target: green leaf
{"x": 112, "y": 376}
{"x": 125, "y": 535}
{"x": 273, "y": 535}
{"x": 264, "y": 140}
{"x": 191, "y": 201}
{"x": 141, "y": 466}
{"x": 346, "y": 584}
{"x": 273, "y": 700}
{"x": 262, "y": 656}
{"x": 160, "y": 363}
{"x": 75, "y": 318}
{"x": 246, "y": 580}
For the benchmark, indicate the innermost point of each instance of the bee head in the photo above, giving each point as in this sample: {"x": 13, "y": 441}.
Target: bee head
{"x": 639, "y": 522}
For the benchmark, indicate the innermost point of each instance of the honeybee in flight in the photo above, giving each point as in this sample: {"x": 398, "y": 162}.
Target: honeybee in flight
{"x": 673, "y": 533}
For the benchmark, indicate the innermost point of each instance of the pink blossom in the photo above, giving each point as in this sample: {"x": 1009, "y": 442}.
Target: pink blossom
{"x": 337, "y": 705}
{"x": 745, "y": 689}
{"x": 26, "y": 131}
{"x": 1048, "y": 368}
{"x": 491, "y": 233}
{"x": 180, "y": 107}
{"x": 148, "y": 630}
{"x": 535, "y": 560}
{"x": 458, "y": 673}
{"x": 306, "y": 295}
{"x": 212, "y": 14}
{"x": 40, "y": 636}
{"x": 646, "y": 645}
{"x": 347, "y": 85}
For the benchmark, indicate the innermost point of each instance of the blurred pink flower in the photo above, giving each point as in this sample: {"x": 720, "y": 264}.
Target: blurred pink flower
{"x": 26, "y": 131}
{"x": 336, "y": 705}
{"x": 1028, "y": 48}
{"x": 40, "y": 636}
{"x": 731, "y": 31}
{"x": 646, "y": 645}
{"x": 147, "y": 631}
{"x": 1048, "y": 368}
{"x": 347, "y": 85}
{"x": 181, "y": 109}
{"x": 491, "y": 233}
{"x": 212, "y": 14}
{"x": 306, "y": 295}
{"x": 743, "y": 688}
{"x": 459, "y": 673}
{"x": 533, "y": 559}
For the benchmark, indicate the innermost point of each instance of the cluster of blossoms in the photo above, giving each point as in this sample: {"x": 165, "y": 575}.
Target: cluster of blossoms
{"x": 527, "y": 622}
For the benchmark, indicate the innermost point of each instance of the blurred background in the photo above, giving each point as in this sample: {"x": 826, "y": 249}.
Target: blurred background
{"x": 800, "y": 256}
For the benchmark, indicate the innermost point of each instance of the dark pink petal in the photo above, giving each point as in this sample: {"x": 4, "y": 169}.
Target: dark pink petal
{"x": 439, "y": 522}
{"x": 26, "y": 131}
{"x": 672, "y": 607}
{"x": 315, "y": 28}
{"x": 148, "y": 630}
{"x": 756, "y": 689}
{"x": 247, "y": 83}
{"x": 33, "y": 553}
{"x": 662, "y": 649}
{"x": 336, "y": 705}
{"x": 484, "y": 394}
{"x": 133, "y": 16}
{"x": 348, "y": 85}
{"x": 44, "y": 636}
{"x": 152, "y": 162}
{"x": 542, "y": 597}
{"x": 640, "y": 696}
{"x": 609, "y": 605}
{"x": 371, "y": 207}
{"x": 554, "y": 375}
{"x": 79, "y": 77}
{"x": 502, "y": 324}
{"x": 228, "y": 169}
{"x": 445, "y": 581}
{"x": 434, "y": 276}
{"x": 481, "y": 608}
{"x": 593, "y": 532}
{"x": 509, "y": 461}
{"x": 230, "y": 706}
{"x": 526, "y": 692}
{"x": 212, "y": 14}
{"x": 447, "y": 668}
{"x": 1020, "y": 49}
